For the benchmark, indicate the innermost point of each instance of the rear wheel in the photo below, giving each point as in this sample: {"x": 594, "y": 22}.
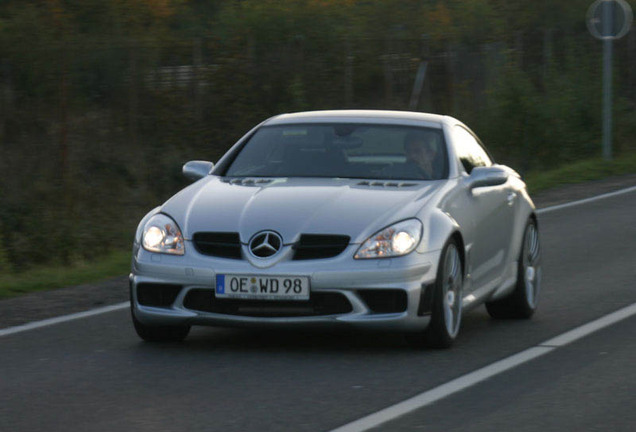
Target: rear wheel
{"x": 446, "y": 311}
{"x": 522, "y": 302}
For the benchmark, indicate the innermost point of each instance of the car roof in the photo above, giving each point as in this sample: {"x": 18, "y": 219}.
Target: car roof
{"x": 408, "y": 118}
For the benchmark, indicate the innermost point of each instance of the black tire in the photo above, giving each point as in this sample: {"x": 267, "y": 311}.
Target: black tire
{"x": 157, "y": 333}
{"x": 160, "y": 333}
{"x": 522, "y": 302}
{"x": 441, "y": 333}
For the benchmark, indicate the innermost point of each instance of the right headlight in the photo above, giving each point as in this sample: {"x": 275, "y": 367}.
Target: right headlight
{"x": 161, "y": 234}
{"x": 395, "y": 240}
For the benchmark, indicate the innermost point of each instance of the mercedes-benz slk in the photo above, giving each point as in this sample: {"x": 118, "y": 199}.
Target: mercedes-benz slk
{"x": 325, "y": 219}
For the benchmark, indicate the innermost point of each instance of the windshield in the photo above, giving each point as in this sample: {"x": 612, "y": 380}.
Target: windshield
{"x": 343, "y": 150}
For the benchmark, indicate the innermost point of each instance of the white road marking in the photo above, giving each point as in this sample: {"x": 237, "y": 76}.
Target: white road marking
{"x": 586, "y": 200}
{"x": 444, "y": 390}
{"x": 52, "y": 321}
{"x": 589, "y": 328}
{"x": 428, "y": 397}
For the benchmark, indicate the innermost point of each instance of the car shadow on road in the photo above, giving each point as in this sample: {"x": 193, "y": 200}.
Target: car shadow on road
{"x": 294, "y": 340}
{"x": 476, "y": 327}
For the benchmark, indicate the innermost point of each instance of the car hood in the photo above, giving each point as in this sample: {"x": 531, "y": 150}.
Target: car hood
{"x": 294, "y": 206}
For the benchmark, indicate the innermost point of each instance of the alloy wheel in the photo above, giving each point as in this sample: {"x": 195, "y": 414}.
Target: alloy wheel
{"x": 452, "y": 290}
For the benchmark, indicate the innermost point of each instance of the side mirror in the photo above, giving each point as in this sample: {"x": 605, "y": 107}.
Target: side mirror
{"x": 195, "y": 170}
{"x": 487, "y": 176}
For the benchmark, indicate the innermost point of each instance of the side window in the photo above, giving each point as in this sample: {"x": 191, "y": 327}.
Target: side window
{"x": 471, "y": 154}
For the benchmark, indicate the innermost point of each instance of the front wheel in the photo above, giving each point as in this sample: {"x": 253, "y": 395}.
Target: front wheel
{"x": 160, "y": 333}
{"x": 446, "y": 314}
{"x": 522, "y": 302}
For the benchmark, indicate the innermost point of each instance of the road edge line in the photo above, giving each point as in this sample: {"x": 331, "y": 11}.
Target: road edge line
{"x": 470, "y": 379}
{"x": 64, "y": 318}
{"x": 451, "y": 387}
{"x": 586, "y": 200}
{"x": 51, "y": 321}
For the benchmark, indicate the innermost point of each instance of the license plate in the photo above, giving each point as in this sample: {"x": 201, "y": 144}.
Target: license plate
{"x": 262, "y": 287}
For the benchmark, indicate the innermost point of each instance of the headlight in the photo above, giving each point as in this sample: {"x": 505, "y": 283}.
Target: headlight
{"x": 396, "y": 240}
{"x": 161, "y": 234}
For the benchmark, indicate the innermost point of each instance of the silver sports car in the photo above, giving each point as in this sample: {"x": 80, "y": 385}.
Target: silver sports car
{"x": 374, "y": 219}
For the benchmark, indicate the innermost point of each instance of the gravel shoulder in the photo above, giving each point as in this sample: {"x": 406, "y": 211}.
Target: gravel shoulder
{"x": 48, "y": 304}
{"x": 64, "y": 301}
{"x": 575, "y": 192}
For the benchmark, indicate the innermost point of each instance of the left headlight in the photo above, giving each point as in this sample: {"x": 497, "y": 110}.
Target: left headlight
{"x": 395, "y": 240}
{"x": 161, "y": 234}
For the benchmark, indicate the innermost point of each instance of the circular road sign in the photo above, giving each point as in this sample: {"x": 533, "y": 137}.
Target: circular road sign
{"x": 609, "y": 19}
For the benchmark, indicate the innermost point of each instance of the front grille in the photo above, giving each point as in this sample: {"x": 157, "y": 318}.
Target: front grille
{"x": 309, "y": 246}
{"x": 157, "y": 295}
{"x": 384, "y": 300}
{"x": 218, "y": 244}
{"x": 317, "y": 246}
{"x": 320, "y": 303}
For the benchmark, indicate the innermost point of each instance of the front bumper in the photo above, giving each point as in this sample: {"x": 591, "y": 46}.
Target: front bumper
{"x": 344, "y": 291}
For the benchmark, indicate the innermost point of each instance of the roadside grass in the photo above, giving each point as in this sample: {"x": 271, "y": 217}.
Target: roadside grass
{"x": 118, "y": 263}
{"x": 51, "y": 277}
{"x": 580, "y": 172}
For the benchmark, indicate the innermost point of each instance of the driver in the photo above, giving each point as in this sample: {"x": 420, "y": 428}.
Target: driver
{"x": 420, "y": 149}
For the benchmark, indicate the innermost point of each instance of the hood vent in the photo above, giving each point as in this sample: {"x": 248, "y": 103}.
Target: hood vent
{"x": 386, "y": 184}
{"x": 248, "y": 181}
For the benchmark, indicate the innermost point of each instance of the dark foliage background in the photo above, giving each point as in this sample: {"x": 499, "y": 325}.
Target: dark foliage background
{"x": 102, "y": 101}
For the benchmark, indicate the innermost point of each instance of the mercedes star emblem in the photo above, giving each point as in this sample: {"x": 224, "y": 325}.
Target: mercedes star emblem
{"x": 266, "y": 244}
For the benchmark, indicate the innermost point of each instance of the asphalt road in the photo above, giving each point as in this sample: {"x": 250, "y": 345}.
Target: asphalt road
{"x": 94, "y": 374}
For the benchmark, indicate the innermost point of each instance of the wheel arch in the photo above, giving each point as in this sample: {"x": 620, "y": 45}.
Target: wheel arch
{"x": 526, "y": 213}
{"x": 439, "y": 228}
{"x": 459, "y": 241}
{"x": 532, "y": 216}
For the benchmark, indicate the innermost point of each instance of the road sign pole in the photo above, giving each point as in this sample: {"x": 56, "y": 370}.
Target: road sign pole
{"x": 608, "y": 20}
{"x": 608, "y": 24}
{"x": 607, "y": 100}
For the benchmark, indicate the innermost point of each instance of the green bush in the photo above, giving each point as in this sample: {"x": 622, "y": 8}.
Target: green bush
{"x": 102, "y": 101}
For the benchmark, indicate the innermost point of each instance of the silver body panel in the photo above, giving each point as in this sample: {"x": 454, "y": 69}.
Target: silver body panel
{"x": 490, "y": 221}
